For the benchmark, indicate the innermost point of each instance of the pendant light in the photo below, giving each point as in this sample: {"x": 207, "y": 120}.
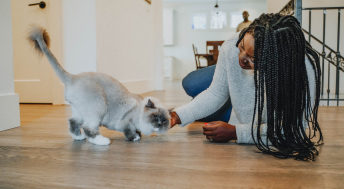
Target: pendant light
{"x": 217, "y": 7}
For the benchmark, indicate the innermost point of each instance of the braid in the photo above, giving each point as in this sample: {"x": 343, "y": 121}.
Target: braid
{"x": 280, "y": 77}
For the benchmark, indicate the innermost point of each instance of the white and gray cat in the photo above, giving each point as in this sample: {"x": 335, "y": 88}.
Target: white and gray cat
{"x": 98, "y": 100}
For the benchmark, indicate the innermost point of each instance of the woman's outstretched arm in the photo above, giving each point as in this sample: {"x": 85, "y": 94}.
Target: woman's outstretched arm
{"x": 211, "y": 99}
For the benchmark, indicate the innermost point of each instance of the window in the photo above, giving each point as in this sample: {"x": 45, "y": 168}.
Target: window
{"x": 218, "y": 20}
{"x": 236, "y": 19}
{"x": 199, "y": 22}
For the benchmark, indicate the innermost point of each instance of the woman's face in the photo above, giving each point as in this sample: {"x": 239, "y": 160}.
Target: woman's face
{"x": 246, "y": 54}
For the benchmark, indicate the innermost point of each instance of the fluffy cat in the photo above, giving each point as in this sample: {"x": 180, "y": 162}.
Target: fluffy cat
{"x": 98, "y": 100}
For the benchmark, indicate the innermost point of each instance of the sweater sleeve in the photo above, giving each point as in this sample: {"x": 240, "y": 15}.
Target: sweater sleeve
{"x": 212, "y": 98}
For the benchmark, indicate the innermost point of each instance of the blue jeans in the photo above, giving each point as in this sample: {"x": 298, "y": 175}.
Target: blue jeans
{"x": 198, "y": 81}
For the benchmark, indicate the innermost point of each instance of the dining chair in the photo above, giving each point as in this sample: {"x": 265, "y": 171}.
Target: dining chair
{"x": 197, "y": 58}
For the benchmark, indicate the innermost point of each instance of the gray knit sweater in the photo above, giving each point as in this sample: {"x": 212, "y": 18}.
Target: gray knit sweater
{"x": 230, "y": 80}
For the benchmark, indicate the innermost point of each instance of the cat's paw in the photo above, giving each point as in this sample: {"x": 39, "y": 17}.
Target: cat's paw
{"x": 99, "y": 140}
{"x": 82, "y": 136}
{"x": 137, "y": 138}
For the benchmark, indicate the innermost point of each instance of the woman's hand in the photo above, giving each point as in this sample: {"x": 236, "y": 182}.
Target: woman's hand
{"x": 174, "y": 119}
{"x": 219, "y": 131}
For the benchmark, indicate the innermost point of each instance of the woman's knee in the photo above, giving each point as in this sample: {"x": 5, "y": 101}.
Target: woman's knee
{"x": 198, "y": 80}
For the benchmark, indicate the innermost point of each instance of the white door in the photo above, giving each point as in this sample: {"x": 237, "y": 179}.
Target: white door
{"x": 32, "y": 72}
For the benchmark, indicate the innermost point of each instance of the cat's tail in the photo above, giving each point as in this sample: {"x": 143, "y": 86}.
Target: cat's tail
{"x": 40, "y": 40}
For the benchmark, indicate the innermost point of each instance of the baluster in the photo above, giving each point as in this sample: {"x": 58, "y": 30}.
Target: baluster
{"x": 298, "y": 10}
{"x": 323, "y": 53}
{"x": 338, "y": 55}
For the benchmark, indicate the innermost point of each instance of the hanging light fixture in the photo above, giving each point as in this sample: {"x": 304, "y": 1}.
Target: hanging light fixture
{"x": 217, "y": 7}
{"x": 217, "y": 4}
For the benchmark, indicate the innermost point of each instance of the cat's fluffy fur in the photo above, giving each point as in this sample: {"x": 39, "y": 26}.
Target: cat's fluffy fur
{"x": 97, "y": 100}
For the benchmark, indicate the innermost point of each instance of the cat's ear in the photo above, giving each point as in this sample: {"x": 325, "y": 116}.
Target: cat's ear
{"x": 150, "y": 104}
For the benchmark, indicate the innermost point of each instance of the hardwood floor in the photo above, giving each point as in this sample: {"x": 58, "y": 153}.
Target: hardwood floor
{"x": 41, "y": 154}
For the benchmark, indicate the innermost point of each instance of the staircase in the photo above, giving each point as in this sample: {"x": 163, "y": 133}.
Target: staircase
{"x": 321, "y": 21}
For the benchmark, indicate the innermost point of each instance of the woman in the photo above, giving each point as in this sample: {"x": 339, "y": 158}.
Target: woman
{"x": 272, "y": 77}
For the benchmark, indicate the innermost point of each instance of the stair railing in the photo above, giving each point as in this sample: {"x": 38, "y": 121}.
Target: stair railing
{"x": 333, "y": 58}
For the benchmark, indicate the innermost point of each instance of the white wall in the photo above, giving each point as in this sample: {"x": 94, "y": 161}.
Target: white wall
{"x": 184, "y": 36}
{"x": 274, "y": 6}
{"x": 9, "y": 101}
{"x": 129, "y": 42}
{"x": 158, "y": 52}
{"x": 79, "y": 35}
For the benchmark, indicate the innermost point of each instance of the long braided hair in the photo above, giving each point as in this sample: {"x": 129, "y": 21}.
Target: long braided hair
{"x": 280, "y": 77}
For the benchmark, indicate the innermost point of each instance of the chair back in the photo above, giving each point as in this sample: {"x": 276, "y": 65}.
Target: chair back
{"x": 215, "y": 48}
{"x": 197, "y": 61}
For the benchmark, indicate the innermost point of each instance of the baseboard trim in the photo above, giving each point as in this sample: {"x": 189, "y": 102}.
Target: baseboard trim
{"x": 139, "y": 86}
{"x": 9, "y": 111}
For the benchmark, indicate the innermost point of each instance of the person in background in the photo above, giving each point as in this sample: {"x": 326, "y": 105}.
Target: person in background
{"x": 245, "y": 23}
